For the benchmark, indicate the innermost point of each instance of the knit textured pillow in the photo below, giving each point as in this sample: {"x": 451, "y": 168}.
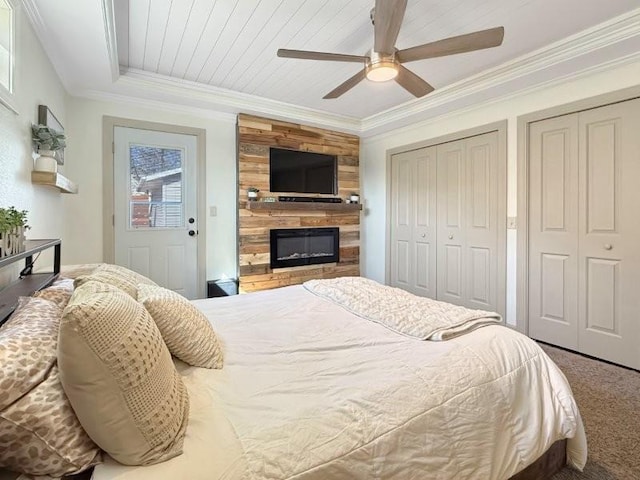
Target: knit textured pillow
{"x": 118, "y": 276}
{"x": 73, "y": 271}
{"x": 184, "y": 328}
{"x": 119, "y": 376}
{"x": 39, "y": 431}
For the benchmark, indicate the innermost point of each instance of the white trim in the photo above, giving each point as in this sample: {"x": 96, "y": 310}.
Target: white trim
{"x": 538, "y": 87}
{"x": 229, "y": 100}
{"x": 156, "y": 105}
{"x": 108, "y": 17}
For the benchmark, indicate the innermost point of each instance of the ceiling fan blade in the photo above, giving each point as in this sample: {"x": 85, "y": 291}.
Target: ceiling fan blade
{"x": 413, "y": 83}
{"x": 450, "y": 46}
{"x": 307, "y": 55}
{"x": 387, "y": 20}
{"x": 346, "y": 86}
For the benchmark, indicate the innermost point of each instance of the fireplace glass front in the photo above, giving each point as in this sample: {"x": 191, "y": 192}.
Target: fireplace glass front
{"x": 292, "y": 247}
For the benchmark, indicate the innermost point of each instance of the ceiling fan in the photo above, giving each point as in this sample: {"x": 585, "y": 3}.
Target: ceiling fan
{"x": 385, "y": 62}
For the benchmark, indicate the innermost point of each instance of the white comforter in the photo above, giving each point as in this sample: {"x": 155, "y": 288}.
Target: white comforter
{"x": 310, "y": 391}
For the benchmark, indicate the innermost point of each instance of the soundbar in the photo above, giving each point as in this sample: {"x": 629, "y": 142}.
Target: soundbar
{"x": 310, "y": 199}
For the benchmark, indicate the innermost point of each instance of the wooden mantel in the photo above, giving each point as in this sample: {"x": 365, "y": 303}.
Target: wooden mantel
{"x": 301, "y": 206}
{"x": 256, "y": 218}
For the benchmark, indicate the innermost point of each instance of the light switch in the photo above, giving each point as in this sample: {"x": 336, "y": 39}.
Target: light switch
{"x": 213, "y": 211}
{"x": 512, "y": 223}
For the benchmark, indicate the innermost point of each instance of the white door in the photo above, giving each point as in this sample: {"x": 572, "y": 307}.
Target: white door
{"x": 609, "y": 225}
{"x": 413, "y": 229}
{"x": 481, "y": 217}
{"x": 451, "y": 222}
{"x": 155, "y": 204}
{"x": 584, "y": 232}
{"x": 470, "y": 183}
{"x": 553, "y": 231}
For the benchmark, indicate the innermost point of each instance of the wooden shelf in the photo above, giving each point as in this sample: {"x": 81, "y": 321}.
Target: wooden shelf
{"x": 54, "y": 179}
{"x": 334, "y": 207}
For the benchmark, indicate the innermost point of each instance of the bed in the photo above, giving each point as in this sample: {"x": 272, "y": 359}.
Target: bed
{"x": 310, "y": 390}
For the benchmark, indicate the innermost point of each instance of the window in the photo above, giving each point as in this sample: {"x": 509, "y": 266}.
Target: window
{"x": 7, "y": 49}
{"x": 156, "y": 186}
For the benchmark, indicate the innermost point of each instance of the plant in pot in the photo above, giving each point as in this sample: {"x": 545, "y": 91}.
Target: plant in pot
{"x": 13, "y": 224}
{"x": 47, "y": 142}
{"x": 252, "y": 193}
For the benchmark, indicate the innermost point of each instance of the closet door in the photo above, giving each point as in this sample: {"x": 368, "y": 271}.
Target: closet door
{"x": 413, "y": 215}
{"x": 553, "y": 231}
{"x": 451, "y": 222}
{"x": 481, "y": 220}
{"x": 609, "y": 233}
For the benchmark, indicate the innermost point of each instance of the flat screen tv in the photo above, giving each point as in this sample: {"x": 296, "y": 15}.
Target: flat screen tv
{"x": 292, "y": 171}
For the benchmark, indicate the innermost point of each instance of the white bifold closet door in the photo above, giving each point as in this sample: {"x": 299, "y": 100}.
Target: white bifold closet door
{"x": 444, "y": 222}
{"x": 413, "y": 222}
{"x": 468, "y": 222}
{"x": 584, "y": 232}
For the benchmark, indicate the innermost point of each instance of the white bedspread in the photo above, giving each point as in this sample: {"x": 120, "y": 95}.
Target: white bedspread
{"x": 404, "y": 313}
{"x": 310, "y": 391}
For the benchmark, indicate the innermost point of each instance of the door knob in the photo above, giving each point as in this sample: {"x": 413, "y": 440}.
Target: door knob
{"x": 192, "y": 233}
{"x": 450, "y": 237}
{"x": 608, "y": 246}
{"x": 191, "y": 220}
{"x": 423, "y": 235}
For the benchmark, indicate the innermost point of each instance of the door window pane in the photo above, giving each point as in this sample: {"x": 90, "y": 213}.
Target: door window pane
{"x": 156, "y": 187}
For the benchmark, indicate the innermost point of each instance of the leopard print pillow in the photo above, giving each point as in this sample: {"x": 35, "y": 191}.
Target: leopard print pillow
{"x": 39, "y": 432}
{"x": 59, "y": 293}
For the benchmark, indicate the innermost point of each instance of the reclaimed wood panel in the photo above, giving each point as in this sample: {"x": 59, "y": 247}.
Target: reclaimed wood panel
{"x": 255, "y": 136}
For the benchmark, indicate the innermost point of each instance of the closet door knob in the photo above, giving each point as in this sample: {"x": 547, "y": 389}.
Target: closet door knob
{"x": 450, "y": 237}
{"x": 608, "y": 246}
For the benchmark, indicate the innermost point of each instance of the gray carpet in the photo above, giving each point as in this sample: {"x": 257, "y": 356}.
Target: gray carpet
{"x": 609, "y": 400}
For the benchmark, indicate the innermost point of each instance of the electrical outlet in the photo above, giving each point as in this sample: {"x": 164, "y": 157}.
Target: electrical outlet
{"x": 213, "y": 211}
{"x": 512, "y": 223}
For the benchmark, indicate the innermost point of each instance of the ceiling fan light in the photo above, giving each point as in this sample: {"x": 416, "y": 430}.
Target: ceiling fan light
{"x": 382, "y": 71}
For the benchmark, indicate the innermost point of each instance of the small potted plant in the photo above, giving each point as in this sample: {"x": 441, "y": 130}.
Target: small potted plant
{"x": 47, "y": 142}
{"x": 354, "y": 197}
{"x": 252, "y": 193}
{"x": 13, "y": 224}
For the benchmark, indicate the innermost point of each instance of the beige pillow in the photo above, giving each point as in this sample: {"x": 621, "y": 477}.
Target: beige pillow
{"x": 73, "y": 271}
{"x": 59, "y": 292}
{"x": 118, "y": 276}
{"x": 39, "y": 432}
{"x": 119, "y": 376}
{"x": 184, "y": 328}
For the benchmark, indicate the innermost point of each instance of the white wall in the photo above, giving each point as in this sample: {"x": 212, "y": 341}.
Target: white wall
{"x": 36, "y": 83}
{"x": 373, "y": 157}
{"x": 83, "y": 235}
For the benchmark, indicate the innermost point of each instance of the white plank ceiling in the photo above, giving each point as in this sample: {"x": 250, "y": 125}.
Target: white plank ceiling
{"x": 233, "y": 43}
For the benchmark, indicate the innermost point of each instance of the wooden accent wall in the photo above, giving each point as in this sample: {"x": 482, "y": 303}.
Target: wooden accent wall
{"x": 255, "y": 136}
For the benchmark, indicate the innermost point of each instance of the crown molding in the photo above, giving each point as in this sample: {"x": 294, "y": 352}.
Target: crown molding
{"x": 44, "y": 36}
{"x": 109, "y": 19}
{"x": 538, "y": 87}
{"x": 602, "y": 35}
{"x": 130, "y": 100}
{"x": 232, "y": 101}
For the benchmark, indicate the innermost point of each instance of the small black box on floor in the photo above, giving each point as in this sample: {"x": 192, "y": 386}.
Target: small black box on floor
{"x": 222, "y": 288}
